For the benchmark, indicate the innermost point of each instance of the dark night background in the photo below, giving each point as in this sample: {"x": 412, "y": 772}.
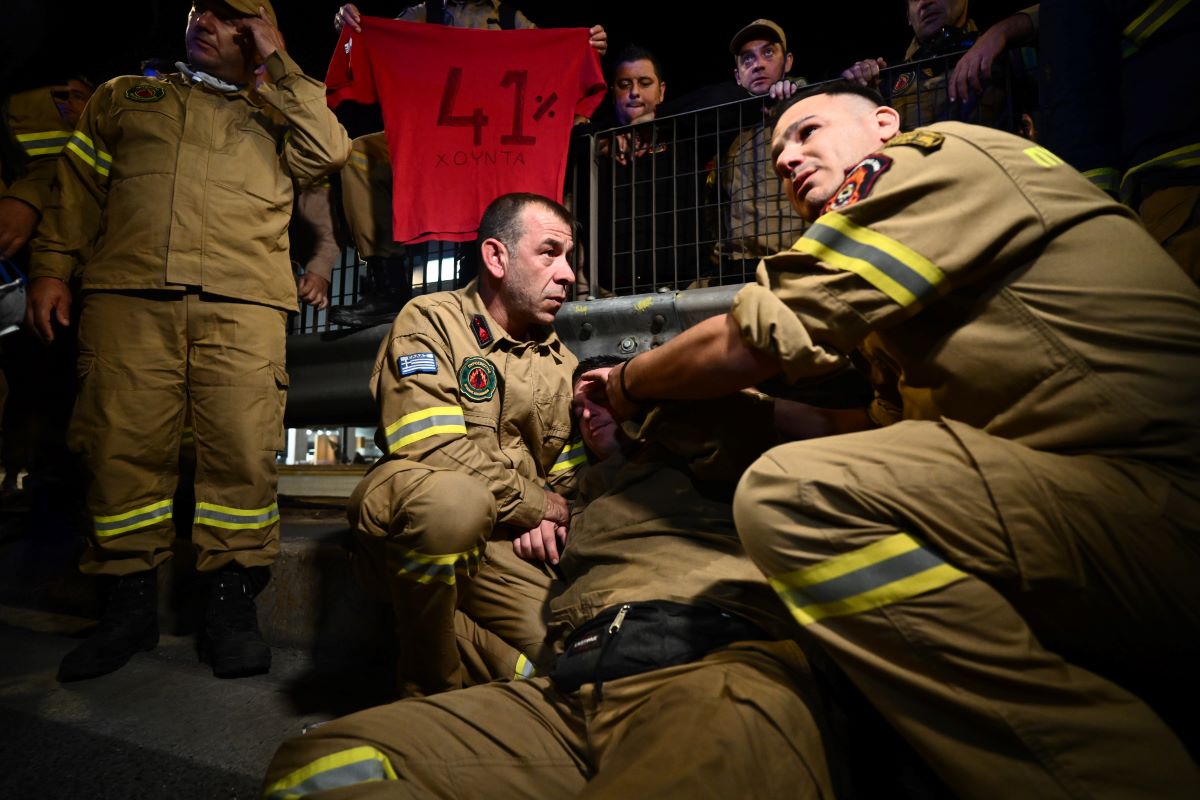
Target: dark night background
{"x": 40, "y": 40}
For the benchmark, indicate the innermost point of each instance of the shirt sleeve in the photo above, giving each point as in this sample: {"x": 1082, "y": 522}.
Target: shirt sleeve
{"x": 316, "y": 144}
{"x": 422, "y": 419}
{"x": 894, "y": 244}
{"x": 71, "y": 221}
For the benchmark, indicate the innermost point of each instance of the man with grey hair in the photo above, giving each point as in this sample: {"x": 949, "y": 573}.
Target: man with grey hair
{"x": 473, "y": 388}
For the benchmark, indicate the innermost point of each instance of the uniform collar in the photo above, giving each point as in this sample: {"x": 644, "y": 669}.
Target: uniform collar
{"x": 491, "y": 335}
{"x": 212, "y": 82}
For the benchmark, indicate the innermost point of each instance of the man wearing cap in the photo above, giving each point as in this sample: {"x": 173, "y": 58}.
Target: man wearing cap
{"x": 176, "y": 194}
{"x": 759, "y": 220}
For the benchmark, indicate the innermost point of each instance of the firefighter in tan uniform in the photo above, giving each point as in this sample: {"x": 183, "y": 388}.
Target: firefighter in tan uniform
{"x": 719, "y": 705}
{"x": 34, "y": 128}
{"x": 175, "y": 199}
{"x": 473, "y": 388}
{"x": 1035, "y": 509}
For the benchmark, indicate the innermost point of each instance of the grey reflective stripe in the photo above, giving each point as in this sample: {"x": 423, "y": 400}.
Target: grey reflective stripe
{"x": 1153, "y": 18}
{"x": 136, "y": 521}
{"x": 438, "y": 567}
{"x": 895, "y": 269}
{"x": 569, "y": 452}
{"x": 525, "y": 668}
{"x": 270, "y": 515}
{"x": 45, "y": 143}
{"x": 423, "y": 424}
{"x": 444, "y": 572}
{"x": 364, "y": 771}
{"x": 869, "y": 577}
{"x": 99, "y": 159}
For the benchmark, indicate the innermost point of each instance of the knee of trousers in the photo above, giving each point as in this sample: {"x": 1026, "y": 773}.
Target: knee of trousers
{"x": 437, "y": 512}
{"x": 769, "y": 512}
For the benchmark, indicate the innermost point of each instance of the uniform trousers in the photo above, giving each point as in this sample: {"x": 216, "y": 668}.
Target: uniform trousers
{"x": 467, "y": 608}
{"x": 367, "y": 197}
{"x": 145, "y": 360}
{"x": 736, "y": 723}
{"x": 964, "y": 620}
{"x": 1172, "y": 215}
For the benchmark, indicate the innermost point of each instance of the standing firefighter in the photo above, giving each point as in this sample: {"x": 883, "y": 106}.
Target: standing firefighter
{"x": 176, "y": 196}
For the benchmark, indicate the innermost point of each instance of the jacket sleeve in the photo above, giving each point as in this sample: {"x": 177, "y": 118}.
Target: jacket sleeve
{"x": 896, "y": 245}
{"x": 39, "y": 137}
{"x": 316, "y": 143}
{"x": 71, "y": 221}
{"x": 422, "y": 419}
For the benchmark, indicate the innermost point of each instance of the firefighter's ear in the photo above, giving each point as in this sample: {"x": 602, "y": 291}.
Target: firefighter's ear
{"x": 495, "y": 257}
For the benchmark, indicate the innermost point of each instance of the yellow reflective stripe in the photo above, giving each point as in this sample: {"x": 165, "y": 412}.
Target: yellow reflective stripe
{"x": 571, "y": 456}
{"x": 40, "y": 135}
{"x": 1153, "y": 18}
{"x": 424, "y": 568}
{"x": 1186, "y": 156}
{"x": 83, "y": 147}
{"x": 236, "y": 519}
{"x": 346, "y": 768}
{"x": 141, "y": 517}
{"x": 903, "y": 274}
{"x": 1106, "y": 178}
{"x": 359, "y": 161}
{"x": 1042, "y": 157}
{"x": 188, "y": 436}
{"x": 886, "y": 572}
{"x": 43, "y": 143}
{"x": 524, "y": 669}
{"x": 424, "y": 423}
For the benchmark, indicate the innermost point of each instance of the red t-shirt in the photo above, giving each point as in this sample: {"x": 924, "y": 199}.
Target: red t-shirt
{"x": 469, "y": 114}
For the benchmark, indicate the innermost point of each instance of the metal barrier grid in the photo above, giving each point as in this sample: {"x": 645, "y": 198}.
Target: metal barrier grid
{"x": 691, "y": 200}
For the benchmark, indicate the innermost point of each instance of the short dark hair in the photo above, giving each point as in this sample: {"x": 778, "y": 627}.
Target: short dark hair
{"x": 595, "y": 362}
{"x": 839, "y": 86}
{"x": 635, "y": 52}
{"x": 502, "y": 218}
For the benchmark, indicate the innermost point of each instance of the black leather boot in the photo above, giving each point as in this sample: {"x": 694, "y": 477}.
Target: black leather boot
{"x": 129, "y": 625}
{"x": 388, "y": 286}
{"x": 233, "y": 646}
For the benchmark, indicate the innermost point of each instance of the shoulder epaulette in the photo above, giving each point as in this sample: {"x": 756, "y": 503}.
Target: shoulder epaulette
{"x": 921, "y": 139}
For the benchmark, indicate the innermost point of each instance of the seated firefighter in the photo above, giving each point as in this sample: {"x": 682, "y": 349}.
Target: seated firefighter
{"x": 474, "y": 389}
{"x": 677, "y": 677}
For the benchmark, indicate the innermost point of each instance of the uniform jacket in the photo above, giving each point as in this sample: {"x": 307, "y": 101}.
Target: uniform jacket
{"x": 178, "y": 185}
{"x": 997, "y": 288}
{"x": 658, "y": 524}
{"x": 761, "y": 219}
{"x": 1114, "y": 55}
{"x": 456, "y": 392}
{"x": 37, "y": 136}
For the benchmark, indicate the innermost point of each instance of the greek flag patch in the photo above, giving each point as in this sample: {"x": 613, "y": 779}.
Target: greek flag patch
{"x": 417, "y": 363}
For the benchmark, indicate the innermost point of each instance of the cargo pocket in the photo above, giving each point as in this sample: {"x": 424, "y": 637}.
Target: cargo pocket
{"x": 273, "y": 432}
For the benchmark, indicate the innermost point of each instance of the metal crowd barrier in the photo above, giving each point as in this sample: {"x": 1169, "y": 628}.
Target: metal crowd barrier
{"x": 663, "y": 211}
